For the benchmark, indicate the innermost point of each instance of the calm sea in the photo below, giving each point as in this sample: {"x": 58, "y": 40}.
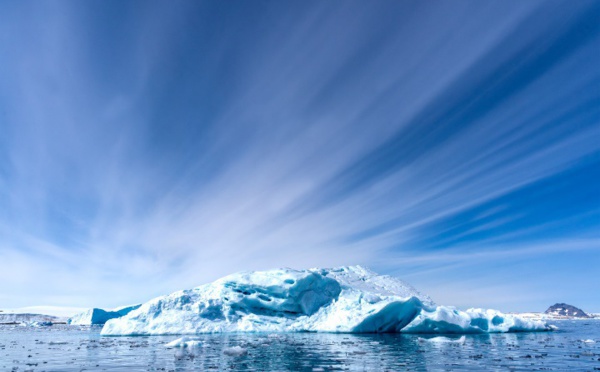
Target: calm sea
{"x": 574, "y": 347}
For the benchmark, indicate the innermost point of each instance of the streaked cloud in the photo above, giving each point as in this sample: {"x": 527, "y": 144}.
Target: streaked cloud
{"x": 149, "y": 147}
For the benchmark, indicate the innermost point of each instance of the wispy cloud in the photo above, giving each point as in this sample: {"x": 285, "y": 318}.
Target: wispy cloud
{"x": 150, "y": 148}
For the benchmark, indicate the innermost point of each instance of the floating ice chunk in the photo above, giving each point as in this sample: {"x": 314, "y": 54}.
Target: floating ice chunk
{"x": 589, "y": 341}
{"x": 180, "y": 353}
{"x": 346, "y": 299}
{"x": 38, "y": 324}
{"x": 444, "y": 340}
{"x": 235, "y": 351}
{"x": 185, "y": 342}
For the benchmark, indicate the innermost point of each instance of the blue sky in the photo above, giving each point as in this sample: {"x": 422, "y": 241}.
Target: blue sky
{"x": 147, "y": 147}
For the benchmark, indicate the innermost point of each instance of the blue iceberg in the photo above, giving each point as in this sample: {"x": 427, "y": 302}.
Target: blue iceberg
{"x": 345, "y": 300}
{"x": 96, "y": 316}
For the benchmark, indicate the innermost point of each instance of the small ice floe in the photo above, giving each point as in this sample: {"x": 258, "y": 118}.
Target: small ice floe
{"x": 185, "y": 341}
{"x": 588, "y": 341}
{"x": 35, "y": 324}
{"x": 443, "y": 340}
{"x": 180, "y": 354}
{"x": 235, "y": 351}
{"x": 552, "y": 327}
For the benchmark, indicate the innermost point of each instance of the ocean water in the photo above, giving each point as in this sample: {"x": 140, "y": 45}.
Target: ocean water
{"x": 575, "y": 347}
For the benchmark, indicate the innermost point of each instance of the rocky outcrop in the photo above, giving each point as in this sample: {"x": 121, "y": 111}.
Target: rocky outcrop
{"x": 562, "y": 309}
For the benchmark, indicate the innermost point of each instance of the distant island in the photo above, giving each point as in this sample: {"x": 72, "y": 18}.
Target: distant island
{"x": 28, "y": 318}
{"x": 562, "y": 309}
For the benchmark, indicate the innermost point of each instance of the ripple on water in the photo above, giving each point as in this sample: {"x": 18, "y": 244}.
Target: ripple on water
{"x": 575, "y": 346}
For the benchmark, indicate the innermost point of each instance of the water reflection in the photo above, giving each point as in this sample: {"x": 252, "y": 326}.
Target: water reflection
{"x": 71, "y": 348}
{"x": 305, "y": 351}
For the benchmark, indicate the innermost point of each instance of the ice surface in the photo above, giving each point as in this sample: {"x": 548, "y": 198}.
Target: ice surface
{"x": 444, "y": 340}
{"x": 235, "y": 351}
{"x": 346, "y": 299}
{"x": 100, "y": 316}
{"x": 443, "y": 319}
{"x": 124, "y": 310}
{"x": 37, "y": 324}
{"x": 28, "y": 318}
{"x": 93, "y": 316}
{"x": 185, "y": 342}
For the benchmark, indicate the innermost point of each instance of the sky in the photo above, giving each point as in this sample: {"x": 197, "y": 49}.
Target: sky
{"x": 152, "y": 146}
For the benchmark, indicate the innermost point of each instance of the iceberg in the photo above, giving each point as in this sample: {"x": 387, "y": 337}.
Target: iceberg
{"x": 96, "y": 316}
{"x": 349, "y": 299}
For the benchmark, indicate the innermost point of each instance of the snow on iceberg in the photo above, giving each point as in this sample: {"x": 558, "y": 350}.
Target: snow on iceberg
{"x": 100, "y": 316}
{"x": 346, "y": 299}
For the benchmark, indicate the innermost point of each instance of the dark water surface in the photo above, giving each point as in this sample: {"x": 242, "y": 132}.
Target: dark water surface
{"x": 64, "y": 348}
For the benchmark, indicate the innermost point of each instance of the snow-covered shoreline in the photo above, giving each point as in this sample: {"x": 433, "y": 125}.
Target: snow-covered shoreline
{"x": 57, "y": 311}
{"x": 547, "y": 317}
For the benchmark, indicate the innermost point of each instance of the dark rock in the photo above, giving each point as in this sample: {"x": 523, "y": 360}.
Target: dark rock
{"x": 563, "y": 309}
